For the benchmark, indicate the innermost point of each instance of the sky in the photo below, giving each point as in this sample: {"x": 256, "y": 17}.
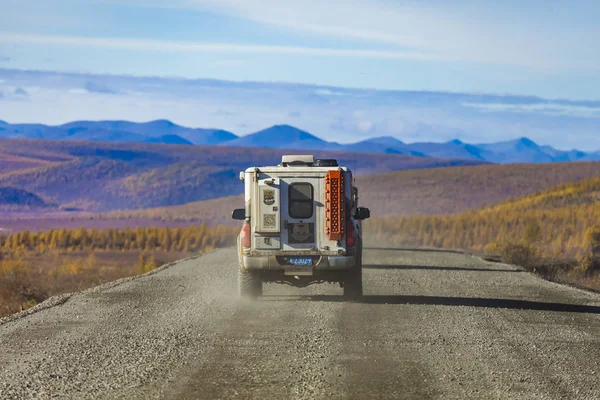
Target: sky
{"x": 544, "y": 48}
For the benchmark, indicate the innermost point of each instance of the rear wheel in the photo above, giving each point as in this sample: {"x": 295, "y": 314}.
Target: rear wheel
{"x": 249, "y": 284}
{"x": 353, "y": 287}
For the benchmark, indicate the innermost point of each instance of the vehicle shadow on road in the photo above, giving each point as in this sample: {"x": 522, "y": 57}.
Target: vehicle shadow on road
{"x": 415, "y": 249}
{"x": 438, "y": 268}
{"x": 451, "y": 301}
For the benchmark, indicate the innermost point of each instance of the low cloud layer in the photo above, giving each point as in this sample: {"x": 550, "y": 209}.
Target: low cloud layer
{"x": 336, "y": 114}
{"x": 21, "y": 92}
{"x": 98, "y": 87}
{"x": 548, "y": 108}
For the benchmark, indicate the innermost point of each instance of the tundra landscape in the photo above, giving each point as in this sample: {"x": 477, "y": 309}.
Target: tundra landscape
{"x": 78, "y": 215}
{"x": 66, "y": 202}
{"x": 267, "y": 199}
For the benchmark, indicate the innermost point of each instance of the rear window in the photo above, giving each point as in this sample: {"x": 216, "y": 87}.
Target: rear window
{"x": 301, "y": 200}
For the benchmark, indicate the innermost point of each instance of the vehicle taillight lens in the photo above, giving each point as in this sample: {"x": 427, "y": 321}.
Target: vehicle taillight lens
{"x": 350, "y": 234}
{"x": 245, "y": 235}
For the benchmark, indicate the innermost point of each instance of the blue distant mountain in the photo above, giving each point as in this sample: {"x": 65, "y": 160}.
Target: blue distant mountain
{"x": 388, "y": 141}
{"x": 283, "y": 137}
{"x": 595, "y": 156}
{"x": 159, "y": 131}
{"x": 382, "y": 144}
{"x": 451, "y": 149}
{"x": 522, "y": 150}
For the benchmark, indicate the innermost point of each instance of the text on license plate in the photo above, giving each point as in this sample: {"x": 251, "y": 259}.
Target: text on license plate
{"x": 300, "y": 260}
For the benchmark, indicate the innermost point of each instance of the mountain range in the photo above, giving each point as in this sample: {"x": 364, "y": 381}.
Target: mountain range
{"x": 521, "y": 150}
{"x": 101, "y": 176}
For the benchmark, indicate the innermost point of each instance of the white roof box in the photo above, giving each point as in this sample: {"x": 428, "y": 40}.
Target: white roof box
{"x": 297, "y": 160}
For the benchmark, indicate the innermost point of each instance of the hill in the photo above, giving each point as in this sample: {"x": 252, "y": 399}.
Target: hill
{"x": 169, "y": 139}
{"x": 283, "y": 137}
{"x": 384, "y": 144}
{"x": 522, "y": 150}
{"x": 159, "y": 131}
{"x": 95, "y": 176}
{"x": 525, "y": 150}
{"x": 451, "y": 149}
{"x": 18, "y": 199}
{"x": 213, "y": 212}
{"x": 412, "y": 192}
{"x": 13, "y": 163}
{"x": 557, "y": 222}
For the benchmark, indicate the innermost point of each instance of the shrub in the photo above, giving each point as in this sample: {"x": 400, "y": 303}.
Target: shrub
{"x": 532, "y": 232}
{"x": 146, "y": 263}
{"x": 18, "y": 287}
{"x": 590, "y": 262}
{"x": 592, "y": 240}
{"x": 518, "y": 253}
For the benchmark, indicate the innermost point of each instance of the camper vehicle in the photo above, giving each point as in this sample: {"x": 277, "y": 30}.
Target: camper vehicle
{"x": 301, "y": 226}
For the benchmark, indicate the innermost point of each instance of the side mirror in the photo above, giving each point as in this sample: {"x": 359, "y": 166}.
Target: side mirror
{"x": 362, "y": 213}
{"x": 239, "y": 213}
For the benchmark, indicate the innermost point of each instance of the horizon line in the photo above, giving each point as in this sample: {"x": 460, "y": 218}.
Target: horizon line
{"x": 274, "y": 126}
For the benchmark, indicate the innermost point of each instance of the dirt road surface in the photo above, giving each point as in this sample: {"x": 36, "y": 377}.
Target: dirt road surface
{"x": 431, "y": 325}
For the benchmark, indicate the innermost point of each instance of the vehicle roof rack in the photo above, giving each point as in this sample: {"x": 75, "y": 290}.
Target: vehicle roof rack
{"x": 292, "y": 160}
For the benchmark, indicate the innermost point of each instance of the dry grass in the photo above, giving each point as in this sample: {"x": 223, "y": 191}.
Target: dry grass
{"x": 28, "y": 278}
{"x": 35, "y": 266}
{"x": 554, "y": 232}
{"x": 214, "y": 212}
{"x": 15, "y": 163}
{"x": 563, "y": 215}
{"x": 458, "y": 189}
{"x": 412, "y": 192}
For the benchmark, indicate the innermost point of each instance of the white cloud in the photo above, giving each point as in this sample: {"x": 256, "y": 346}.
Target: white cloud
{"x": 500, "y": 33}
{"x": 365, "y": 125}
{"x": 328, "y": 92}
{"x": 544, "y": 108}
{"x": 357, "y": 121}
{"x": 509, "y": 34}
{"x": 194, "y": 47}
{"x": 78, "y": 91}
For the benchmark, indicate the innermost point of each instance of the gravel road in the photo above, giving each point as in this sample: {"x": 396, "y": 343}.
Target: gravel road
{"x": 431, "y": 325}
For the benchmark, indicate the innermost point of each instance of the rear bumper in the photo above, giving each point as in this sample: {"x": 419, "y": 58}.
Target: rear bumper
{"x": 325, "y": 263}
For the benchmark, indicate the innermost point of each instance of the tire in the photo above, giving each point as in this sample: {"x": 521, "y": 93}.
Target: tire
{"x": 249, "y": 284}
{"x": 353, "y": 286}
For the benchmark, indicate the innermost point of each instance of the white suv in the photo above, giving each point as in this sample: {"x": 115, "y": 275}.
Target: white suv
{"x": 301, "y": 226}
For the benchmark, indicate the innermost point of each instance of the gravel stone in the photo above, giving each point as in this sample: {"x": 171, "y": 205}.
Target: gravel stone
{"x": 431, "y": 324}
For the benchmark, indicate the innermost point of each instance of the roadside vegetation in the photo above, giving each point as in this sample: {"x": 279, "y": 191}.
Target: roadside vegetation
{"x": 35, "y": 266}
{"x": 443, "y": 191}
{"x": 214, "y": 212}
{"x": 554, "y": 232}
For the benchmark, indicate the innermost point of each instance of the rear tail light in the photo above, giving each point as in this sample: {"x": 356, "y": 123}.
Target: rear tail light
{"x": 245, "y": 235}
{"x": 350, "y": 234}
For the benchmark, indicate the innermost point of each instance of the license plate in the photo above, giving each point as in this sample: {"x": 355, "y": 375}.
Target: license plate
{"x": 299, "y": 261}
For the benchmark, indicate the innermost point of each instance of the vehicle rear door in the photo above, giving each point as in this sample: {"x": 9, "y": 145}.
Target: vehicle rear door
{"x": 299, "y": 230}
